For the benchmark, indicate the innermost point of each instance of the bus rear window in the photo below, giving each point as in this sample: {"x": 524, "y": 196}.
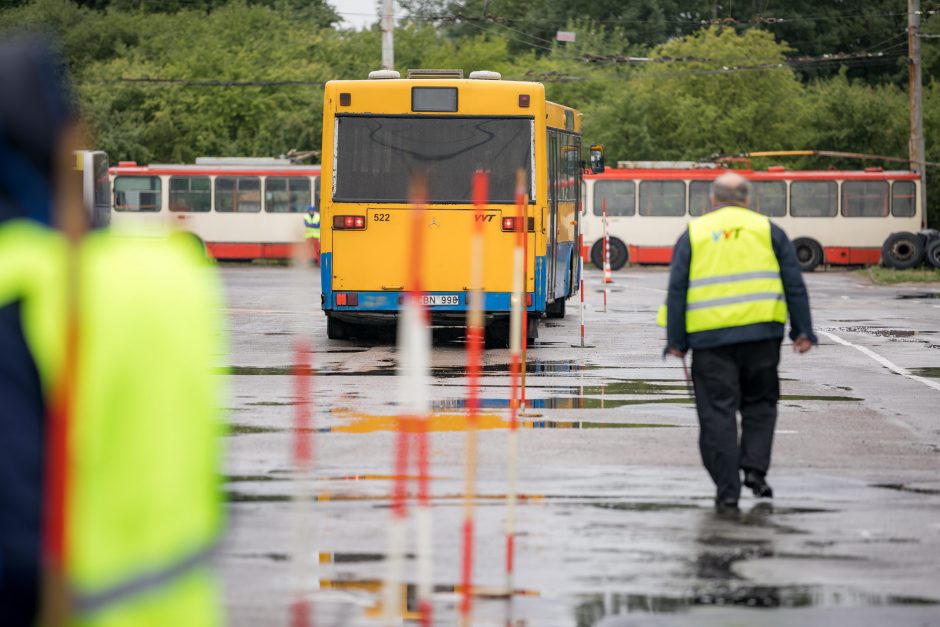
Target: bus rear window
{"x": 903, "y": 199}
{"x": 137, "y": 193}
{"x": 190, "y": 194}
{"x": 377, "y": 158}
{"x": 286, "y": 194}
{"x": 620, "y": 195}
{"x": 865, "y": 199}
{"x": 662, "y": 198}
{"x": 813, "y": 199}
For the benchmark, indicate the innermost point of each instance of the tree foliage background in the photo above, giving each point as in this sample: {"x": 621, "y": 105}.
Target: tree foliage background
{"x": 170, "y": 80}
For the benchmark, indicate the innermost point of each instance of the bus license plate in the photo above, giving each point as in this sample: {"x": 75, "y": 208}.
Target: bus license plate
{"x": 441, "y": 299}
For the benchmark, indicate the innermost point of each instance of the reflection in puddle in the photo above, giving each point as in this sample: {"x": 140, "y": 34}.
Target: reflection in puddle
{"x": 536, "y": 367}
{"x": 933, "y": 372}
{"x": 917, "y": 295}
{"x": 366, "y": 423}
{"x": 900, "y": 487}
{"x": 597, "y": 606}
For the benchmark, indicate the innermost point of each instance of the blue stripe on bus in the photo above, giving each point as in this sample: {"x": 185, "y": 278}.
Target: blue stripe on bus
{"x": 326, "y": 279}
{"x": 388, "y": 301}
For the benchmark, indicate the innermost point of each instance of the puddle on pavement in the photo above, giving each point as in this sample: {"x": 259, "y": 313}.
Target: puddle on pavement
{"x": 389, "y": 368}
{"x": 900, "y": 487}
{"x": 597, "y": 606}
{"x": 239, "y": 429}
{"x": 252, "y": 478}
{"x": 557, "y": 402}
{"x": 930, "y": 371}
{"x": 917, "y": 296}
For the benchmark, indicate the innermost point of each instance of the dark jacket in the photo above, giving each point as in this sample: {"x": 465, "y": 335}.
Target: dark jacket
{"x": 794, "y": 289}
{"x": 35, "y": 108}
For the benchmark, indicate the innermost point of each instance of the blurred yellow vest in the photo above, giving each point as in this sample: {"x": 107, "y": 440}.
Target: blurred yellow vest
{"x": 143, "y": 500}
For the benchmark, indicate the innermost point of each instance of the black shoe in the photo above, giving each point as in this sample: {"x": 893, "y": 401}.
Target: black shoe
{"x": 756, "y": 482}
{"x": 728, "y": 505}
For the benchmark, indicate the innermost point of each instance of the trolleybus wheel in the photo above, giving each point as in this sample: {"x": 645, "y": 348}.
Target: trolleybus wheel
{"x": 902, "y": 250}
{"x": 619, "y": 256}
{"x": 933, "y": 253}
{"x": 336, "y": 329}
{"x": 555, "y": 309}
{"x": 809, "y": 253}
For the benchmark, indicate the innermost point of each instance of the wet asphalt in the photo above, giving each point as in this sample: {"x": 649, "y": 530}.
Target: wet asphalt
{"x": 616, "y": 524}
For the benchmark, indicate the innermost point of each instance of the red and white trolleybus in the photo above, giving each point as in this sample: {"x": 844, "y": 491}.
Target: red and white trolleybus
{"x": 832, "y": 216}
{"x": 238, "y": 208}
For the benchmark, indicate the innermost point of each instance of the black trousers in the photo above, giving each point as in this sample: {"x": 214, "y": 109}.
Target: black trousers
{"x": 739, "y": 377}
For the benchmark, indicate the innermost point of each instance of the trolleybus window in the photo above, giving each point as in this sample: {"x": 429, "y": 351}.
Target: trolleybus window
{"x": 902, "y": 199}
{"x": 377, "y": 157}
{"x": 620, "y": 195}
{"x": 286, "y": 194}
{"x": 662, "y": 198}
{"x": 865, "y": 199}
{"x": 813, "y": 199}
{"x": 238, "y": 194}
{"x": 137, "y": 193}
{"x": 769, "y": 198}
{"x": 700, "y": 201}
{"x": 190, "y": 193}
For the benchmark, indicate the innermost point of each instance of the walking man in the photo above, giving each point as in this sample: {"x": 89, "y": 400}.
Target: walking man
{"x": 312, "y": 232}
{"x": 733, "y": 279}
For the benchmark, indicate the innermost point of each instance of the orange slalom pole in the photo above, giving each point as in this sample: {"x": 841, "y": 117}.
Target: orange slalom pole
{"x": 474, "y": 357}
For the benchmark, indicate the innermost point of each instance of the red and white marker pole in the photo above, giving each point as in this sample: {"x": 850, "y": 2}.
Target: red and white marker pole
{"x": 302, "y": 449}
{"x": 581, "y": 277}
{"x": 474, "y": 358}
{"x": 414, "y": 350}
{"x": 515, "y": 345}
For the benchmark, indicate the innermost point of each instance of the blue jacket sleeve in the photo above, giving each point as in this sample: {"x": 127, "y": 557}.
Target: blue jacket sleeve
{"x": 801, "y": 322}
{"x": 676, "y": 296}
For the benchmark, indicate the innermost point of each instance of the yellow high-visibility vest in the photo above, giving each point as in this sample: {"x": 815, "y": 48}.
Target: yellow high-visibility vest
{"x": 143, "y": 506}
{"x": 312, "y": 225}
{"x": 734, "y": 276}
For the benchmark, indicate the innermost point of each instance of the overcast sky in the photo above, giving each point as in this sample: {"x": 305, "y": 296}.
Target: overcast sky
{"x": 359, "y": 13}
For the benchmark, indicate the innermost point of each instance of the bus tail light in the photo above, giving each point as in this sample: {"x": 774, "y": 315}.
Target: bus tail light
{"x": 349, "y": 222}
{"x": 528, "y": 300}
{"x": 514, "y": 223}
{"x": 344, "y": 299}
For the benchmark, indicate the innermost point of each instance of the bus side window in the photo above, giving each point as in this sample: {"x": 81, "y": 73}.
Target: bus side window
{"x": 662, "y": 198}
{"x": 903, "y": 199}
{"x": 316, "y": 192}
{"x": 137, "y": 193}
{"x": 699, "y": 197}
{"x": 620, "y": 196}
{"x": 190, "y": 193}
{"x": 286, "y": 194}
{"x": 770, "y": 198}
{"x": 865, "y": 199}
{"x": 238, "y": 194}
{"x": 813, "y": 199}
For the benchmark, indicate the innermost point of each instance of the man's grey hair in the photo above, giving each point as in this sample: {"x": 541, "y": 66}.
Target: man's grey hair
{"x": 731, "y": 189}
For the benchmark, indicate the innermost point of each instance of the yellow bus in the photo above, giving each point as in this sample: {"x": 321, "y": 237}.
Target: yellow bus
{"x": 382, "y": 133}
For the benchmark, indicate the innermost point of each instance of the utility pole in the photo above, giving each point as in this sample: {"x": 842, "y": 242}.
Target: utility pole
{"x": 388, "y": 35}
{"x": 915, "y": 93}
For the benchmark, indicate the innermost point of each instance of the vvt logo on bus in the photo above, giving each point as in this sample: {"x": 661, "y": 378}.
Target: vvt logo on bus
{"x": 727, "y": 234}
{"x": 484, "y": 218}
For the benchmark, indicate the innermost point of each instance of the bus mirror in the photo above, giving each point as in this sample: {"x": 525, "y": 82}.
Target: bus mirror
{"x": 597, "y": 158}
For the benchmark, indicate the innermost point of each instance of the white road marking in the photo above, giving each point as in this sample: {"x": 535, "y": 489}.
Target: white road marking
{"x": 904, "y": 372}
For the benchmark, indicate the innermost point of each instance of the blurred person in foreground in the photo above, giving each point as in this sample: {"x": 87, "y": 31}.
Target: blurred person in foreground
{"x": 109, "y": 494}
{"x": 733, "y": 279}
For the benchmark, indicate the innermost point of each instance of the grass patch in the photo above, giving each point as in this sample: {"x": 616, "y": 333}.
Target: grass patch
{"x": 890, "y": 276}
